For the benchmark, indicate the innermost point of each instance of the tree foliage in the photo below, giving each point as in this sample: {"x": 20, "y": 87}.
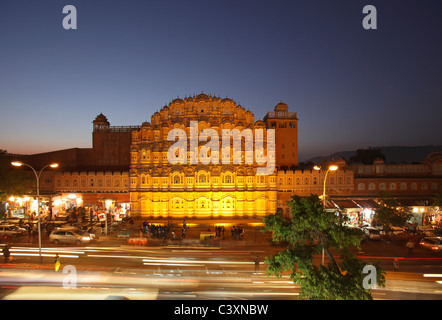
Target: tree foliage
{"x": 392, "y": 212}
{"x": 367, "y": 156}
{"x": 437, "y": 199}
{"x": 13, "y": 181}
{"x": 309, "y": 230}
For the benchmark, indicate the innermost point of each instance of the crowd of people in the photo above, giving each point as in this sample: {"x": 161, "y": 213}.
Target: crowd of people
{"x": 166, "y": 231}
{"x": 237, "y": 233}
{"x": 157, "y": 230}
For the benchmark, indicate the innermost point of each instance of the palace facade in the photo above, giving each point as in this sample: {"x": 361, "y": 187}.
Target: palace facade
{"x": 219, "y": 188}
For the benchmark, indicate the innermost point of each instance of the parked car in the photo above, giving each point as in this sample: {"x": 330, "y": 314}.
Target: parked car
{"x": 426, "y": 230}
{"x": 397, "y": 230}
{"x": 372, "y": 233}
{"x": 11, "y": 230}
{"x": 70, "y": 235}
{"x": 432, "y": 243}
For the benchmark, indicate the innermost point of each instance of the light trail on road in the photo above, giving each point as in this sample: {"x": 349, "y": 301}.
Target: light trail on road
{"x": 185, "y": 273}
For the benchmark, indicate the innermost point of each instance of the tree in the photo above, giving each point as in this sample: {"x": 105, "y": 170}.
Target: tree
{"x": 13, "y": 181}
{"x": 367, "y": 156}
{"x": 437, "y": 199}
{"x": 391, "y": 212}
{"x": 309, "y": 230}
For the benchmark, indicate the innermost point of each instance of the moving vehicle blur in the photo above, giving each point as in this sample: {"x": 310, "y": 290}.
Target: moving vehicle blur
{"x": 70, "y": 235}
{"x": 432, "y": 243}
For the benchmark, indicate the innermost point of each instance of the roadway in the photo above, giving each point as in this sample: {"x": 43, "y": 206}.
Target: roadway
{"x": 187, "y": 270}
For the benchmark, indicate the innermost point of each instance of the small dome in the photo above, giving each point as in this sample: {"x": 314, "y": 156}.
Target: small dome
{"x": 101, "y": 119}
{"x": 260, "y": 123}
{"x": 202, "y": 96}
{"x": 281, "y": 107}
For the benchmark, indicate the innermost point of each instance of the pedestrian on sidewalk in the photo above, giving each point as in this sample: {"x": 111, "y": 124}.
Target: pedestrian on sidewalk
{"x": 183, "y": 233}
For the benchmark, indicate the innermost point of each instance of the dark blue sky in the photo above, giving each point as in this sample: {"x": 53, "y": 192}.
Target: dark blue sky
{"x": 352, "y": 88}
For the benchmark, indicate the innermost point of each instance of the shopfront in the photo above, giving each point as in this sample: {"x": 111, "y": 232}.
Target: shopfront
{"x": 359, "y": 212}
{"x": 367, "y": 211}
{"x": 351, "y": 211}
{"x": 63, "y": 205}
{"x": 94, "y": 207}
{"x": 26, "y": 207}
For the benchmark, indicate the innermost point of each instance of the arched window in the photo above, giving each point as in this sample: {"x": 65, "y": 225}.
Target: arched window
{"x": 176, "y": 179}
{"x": 228, "y": 203}
{"x": 202, "y": 178}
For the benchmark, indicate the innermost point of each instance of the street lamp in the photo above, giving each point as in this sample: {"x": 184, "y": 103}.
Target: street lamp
{"x": 37, "y": 177}
{"x": 330, "y": 168}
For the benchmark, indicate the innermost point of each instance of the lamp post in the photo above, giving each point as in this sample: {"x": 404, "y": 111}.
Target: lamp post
{"x": 37, "y": 177}
{"x": 330, "y": 168}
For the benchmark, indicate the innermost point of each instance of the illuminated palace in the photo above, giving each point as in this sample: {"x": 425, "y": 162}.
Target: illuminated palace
{"x": 217, "y": 188}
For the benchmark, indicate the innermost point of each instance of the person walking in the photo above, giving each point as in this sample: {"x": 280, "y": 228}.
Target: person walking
{"x": 410, "y": 246}
{"x": 57, "y": 262}
{"x": 183, "y": 234}
{"x": 256, "y": 260}
{"x": 6, "y": 253}
{"x": 396, "y": 264}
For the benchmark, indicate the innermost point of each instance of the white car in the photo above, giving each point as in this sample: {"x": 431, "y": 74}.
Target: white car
{"x": 11, "y": 230}
{"x": 69, "y": 236}
{"x": 426, "y": 230}
{"x": 372, "y": 233}
{"x": 397, "y": 230}
{"x": 432, "y": 243}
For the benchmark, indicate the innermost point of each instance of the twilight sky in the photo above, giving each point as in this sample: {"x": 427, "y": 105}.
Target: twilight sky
{"x": 352, "y": 88}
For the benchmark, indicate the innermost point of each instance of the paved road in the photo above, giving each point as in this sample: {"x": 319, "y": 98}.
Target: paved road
{"x": 190, "y": 270}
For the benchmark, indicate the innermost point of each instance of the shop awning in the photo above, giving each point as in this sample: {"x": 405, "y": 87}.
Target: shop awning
{"x": 329, "y": 204}
{"x": 366, "y": 204}
{"x": 346, "y": 204}
{"x": 95, "y": 198}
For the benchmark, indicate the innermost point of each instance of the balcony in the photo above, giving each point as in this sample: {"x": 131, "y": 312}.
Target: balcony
{"x": 280, "y": 115}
